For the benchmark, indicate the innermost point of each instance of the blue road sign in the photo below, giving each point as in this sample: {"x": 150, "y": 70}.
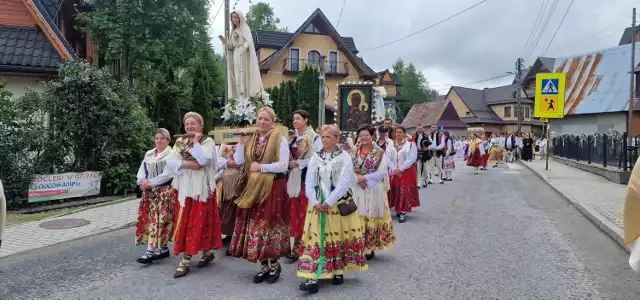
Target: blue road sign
{"x": 441, "y": 127}
{"x": 549, "y": 86}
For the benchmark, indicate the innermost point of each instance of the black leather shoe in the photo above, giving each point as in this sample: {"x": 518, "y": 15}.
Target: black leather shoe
{"x": 337, "y": 280}
{"x": 310, "y": 286}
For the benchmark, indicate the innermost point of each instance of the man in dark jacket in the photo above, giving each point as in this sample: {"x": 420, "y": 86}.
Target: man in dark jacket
{"x": 422, "y": 144}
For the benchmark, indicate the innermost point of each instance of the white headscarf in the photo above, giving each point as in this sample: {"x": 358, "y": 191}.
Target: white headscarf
{"x": 255, "y": 85}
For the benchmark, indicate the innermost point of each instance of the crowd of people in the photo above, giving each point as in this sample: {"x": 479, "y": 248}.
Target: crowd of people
{"x": 312, "y": 196}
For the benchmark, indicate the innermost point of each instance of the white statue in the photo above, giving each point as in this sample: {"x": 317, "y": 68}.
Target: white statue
{"x": 243, "y": 70}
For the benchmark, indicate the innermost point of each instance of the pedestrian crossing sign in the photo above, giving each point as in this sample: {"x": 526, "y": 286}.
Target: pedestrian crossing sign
{"x": 549, "y": 101}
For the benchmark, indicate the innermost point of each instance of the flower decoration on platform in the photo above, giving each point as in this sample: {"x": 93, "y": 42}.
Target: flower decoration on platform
{"x": 245, "y": 108}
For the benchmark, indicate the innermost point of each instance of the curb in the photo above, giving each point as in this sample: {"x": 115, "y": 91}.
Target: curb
{"x": 606, "y": 226}
{"x": 90, "y": 234}
{"x": 81, "y": 209}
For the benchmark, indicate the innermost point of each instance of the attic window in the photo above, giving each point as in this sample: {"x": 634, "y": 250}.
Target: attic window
{"x": 468, "y": 113}
{"x": 312, "y": 29}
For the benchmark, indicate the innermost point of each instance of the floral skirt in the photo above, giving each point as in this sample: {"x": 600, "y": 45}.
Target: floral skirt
{"x": 403, "y": 195}
{"x": 449, "y": 163}
{"x": 262, "y": 231}
{"x": 343, "y": 245}
{"x": 378, "y": 232}
{"x": 197, "y": 226}
{"x": 299, "y": 206}
{"x": 156, "y": 216}
{"x": 475, "y": 159}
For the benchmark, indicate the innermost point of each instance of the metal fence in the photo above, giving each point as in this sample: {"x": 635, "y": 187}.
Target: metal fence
{"x": 606, "y": 149}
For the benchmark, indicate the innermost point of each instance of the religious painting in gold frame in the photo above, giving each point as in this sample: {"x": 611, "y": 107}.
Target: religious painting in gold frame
{"x": 355, "y": 106}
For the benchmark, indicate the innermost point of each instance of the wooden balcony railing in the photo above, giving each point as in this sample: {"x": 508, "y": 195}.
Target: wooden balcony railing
{"x": 335, "y": 68}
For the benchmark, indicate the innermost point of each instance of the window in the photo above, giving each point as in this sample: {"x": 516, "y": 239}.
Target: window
{"x": 333, "y": 62}
{"x": 527, "y": 112}
{"x": 507, "y": 111}
{"x": 312, "y": 29}
{"x": 468, "y": 113}
{"x": 314, "y": 58}
{"x": 294, "y": 59}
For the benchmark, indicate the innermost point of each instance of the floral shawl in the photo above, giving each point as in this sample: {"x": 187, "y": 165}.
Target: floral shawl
{"x": 363, "y": 165}
{"x": 371, "y": 201}
{"x": 195, "y": 184}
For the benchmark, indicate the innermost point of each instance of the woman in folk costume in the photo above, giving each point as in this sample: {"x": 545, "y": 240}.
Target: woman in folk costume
{"x": 194, "y": 163}
{"x": 333, "y": 240}
{"x": 229, "y": 187}
{"x": 476, "y": 151}
{"x": 449, "y": 162}
{"x": 485, "y": 155}
{"x": 262, "y": 225}
{"x": 495, "y": 151}
{"x": 156, "y": 212}
{"x": 370, "y": 192}
{"x": 631, "y": 217}
{"x": 404, "y": 192}
{"x": 302, "y": 147}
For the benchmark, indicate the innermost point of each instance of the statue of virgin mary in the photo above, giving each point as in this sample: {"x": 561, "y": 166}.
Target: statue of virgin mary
{"x": 243, "y": 71}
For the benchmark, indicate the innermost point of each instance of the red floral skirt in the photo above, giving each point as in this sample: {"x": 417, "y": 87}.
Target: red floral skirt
{"x": 262, "y": 231}
{"x": 299, "y": 206}
{"x": 156, "y": 216}
{"x": 404, "y": 195}
{"x": 475, "y": 159}
{"x": 197, "y": 226}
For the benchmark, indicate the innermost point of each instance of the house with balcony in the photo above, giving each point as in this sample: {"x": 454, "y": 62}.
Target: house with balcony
{"x": 283, "y": 55}
{"x": 495, "y": 109}
{"x": 35, "y": 36}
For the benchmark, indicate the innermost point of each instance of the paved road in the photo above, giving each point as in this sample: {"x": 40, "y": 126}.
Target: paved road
{"x": 500, "y": 235}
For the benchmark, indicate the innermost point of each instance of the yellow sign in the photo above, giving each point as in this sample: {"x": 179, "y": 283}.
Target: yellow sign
{"x": 544, "y": 120}
{"x": 549, "y": 102}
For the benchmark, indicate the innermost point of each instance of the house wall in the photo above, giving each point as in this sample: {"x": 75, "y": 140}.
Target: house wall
{"x": 264, "y": 53}
{"x": 18, "y": 85}
{"x": 13, "y": 12}
{"x": 306, "y": 43}
{"x": 499, "y": 110}
{"x": 578, "y": 124}
{"x": 461, "y": 108}
{"x": 392, "y": 90}
{"x": 526, "y": 128}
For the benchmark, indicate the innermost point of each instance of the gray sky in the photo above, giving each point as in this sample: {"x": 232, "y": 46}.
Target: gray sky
{"x": 481, "y": 43}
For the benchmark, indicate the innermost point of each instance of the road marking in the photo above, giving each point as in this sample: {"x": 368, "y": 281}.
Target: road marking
{"x": 514, "y": 166}
{"x": 510, "y": 172}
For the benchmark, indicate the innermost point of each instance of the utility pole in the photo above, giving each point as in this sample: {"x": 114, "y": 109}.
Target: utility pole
{"x": 519, "y": 112}
{"x": 321, "y": 94}
{"x": 227, "y": 21}
{"x": 632, "y": 90}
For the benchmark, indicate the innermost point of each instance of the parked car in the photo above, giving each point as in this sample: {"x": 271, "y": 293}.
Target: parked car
{"x": 3, "y": 211}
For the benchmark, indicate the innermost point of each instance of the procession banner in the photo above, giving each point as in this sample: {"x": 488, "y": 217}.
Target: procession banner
{"x": 355, "y": 105}
{"x": 64, "y": 186}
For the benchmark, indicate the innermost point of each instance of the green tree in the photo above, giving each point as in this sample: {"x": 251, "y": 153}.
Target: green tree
{"x": 415, "y": 86}
{"x": 208, "y": 85}
{"x": 308, "y": 92}
{"x": 262, "y": 17}
{"x": 95, "y": 124}
{"x": 21, "y": 139}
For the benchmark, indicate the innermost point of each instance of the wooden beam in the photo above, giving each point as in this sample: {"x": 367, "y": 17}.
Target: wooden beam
{"x": 48, "y": 31}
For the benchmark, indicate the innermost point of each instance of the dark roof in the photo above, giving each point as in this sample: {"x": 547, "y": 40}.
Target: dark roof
{"x": 474, "y": 100}
{"x": 542, "y": 64}
{"x": 26, "y": 47}
{"x": 51, "y": 7}
{"x": 503, "y": 95}
{"x": 342, "y": 43}
{"x": 627, "y": 36}
{"x": 394, "y": 76}
{"x": 40, "y": 4}
{"x": 277, "y": 40}
{"x": 433, "y": 113}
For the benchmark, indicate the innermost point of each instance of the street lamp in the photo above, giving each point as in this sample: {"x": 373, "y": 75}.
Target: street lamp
{"x": 321, "y": 90}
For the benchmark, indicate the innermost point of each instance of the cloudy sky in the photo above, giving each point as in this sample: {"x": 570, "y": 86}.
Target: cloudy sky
{"x": 481, "y": 43}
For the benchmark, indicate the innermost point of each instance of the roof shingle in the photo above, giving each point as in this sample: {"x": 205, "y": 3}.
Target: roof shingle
{"x": 26, "y": 47}
{"x": 277, "y": 40}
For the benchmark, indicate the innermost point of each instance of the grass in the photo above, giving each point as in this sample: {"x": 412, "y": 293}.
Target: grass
{"x": 13, "y": 218}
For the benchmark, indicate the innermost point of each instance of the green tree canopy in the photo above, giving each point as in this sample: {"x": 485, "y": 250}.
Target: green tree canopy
{"x": 415, "y": 88}
{"x": 262, "y": 17}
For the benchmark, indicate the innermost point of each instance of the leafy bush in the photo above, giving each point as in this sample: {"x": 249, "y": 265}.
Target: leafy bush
{"x": 21, "y": 138}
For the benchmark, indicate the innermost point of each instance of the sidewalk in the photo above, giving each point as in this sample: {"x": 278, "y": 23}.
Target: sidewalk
{"x": 29, "y": 236}
{"x": 599, "y": 199}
